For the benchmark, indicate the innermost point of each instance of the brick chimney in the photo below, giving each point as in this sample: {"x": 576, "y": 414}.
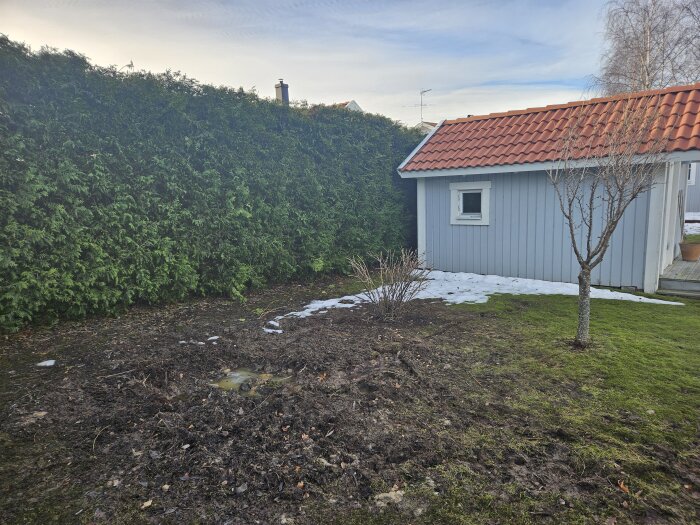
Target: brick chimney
{"x": 282, "y": 92}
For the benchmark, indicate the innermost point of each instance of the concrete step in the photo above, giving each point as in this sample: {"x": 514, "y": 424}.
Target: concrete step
{"x": 679, "y": 285}
{"x": 679, "y": 293}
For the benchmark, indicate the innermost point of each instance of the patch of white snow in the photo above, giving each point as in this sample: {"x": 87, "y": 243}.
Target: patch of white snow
{"x": 48, "y": 362}
{"x": 692, "y": 216}
{"x": 214, "y": 338}
{"x": 692, "y": 228}
{"x": 457, "y": 288}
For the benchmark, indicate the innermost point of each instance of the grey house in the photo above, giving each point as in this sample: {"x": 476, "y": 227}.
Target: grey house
{"x": 485, "y": 204}
{"x": 692, "y": 201}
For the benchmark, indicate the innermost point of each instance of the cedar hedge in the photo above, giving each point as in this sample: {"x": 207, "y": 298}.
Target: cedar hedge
{"x": 123, "y": 188}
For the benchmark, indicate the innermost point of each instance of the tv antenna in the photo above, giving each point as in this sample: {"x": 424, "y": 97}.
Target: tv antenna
{"x": 422, "y": 92}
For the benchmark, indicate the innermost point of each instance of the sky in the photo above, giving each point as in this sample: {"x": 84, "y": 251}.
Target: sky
{"x": 476, "y": 56}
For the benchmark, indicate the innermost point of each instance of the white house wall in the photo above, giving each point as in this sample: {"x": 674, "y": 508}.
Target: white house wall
{"x": 527, "y": 235}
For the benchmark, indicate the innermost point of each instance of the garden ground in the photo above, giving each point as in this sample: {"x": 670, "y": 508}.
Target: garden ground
{"x": 456, "y": 414}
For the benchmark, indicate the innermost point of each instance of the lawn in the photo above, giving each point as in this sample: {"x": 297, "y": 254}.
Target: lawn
{"x": 464, "y": 414}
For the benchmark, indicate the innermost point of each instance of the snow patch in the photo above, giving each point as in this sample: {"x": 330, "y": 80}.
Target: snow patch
{"x": 48, "y": 362}
{"x": 692, "y": 216}
{"x": 692, "y": 228}
{"x": 347, "y": 301}
{"x": 273, "y": 331}
{"x": 214, "y": 338}
{"x": 457, "y": 288}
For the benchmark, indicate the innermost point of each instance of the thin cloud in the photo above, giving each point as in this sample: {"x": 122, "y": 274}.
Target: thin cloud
{"x": 477, "y": 56}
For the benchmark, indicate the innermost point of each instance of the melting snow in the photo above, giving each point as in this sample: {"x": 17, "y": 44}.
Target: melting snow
{"x": 48, "y": 362}
{"x": 692, "y": 216}
{"x": 214, "y": 338}
{"x": 692, "y": 227}
{"x": 456, "y": 288}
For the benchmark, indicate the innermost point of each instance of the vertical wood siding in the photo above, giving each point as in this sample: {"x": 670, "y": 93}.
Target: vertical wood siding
{"x": 527, "y": 236}
{"x": 693, "y": 195}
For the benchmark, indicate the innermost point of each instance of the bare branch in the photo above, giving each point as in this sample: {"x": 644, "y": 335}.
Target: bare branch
{"x": 650, "y": 44}
{"x": 396, "y": 280}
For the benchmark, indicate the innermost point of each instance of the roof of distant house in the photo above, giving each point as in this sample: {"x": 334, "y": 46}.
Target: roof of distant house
{"x": 534, "y": 134}
{"x": 348, "y": 104}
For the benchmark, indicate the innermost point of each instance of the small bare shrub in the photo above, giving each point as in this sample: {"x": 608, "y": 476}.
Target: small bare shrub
{"x": 391, "y": 280}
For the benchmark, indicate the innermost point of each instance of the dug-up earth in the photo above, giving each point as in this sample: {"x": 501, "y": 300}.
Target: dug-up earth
{"x": 351, "y": 420}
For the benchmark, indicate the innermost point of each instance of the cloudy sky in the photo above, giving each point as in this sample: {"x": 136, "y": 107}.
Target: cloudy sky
{"x": 476, "y": 56}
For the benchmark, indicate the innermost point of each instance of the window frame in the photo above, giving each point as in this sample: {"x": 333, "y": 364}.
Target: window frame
{"x": 458, "y": 218}
{"x": 692, "y": 173}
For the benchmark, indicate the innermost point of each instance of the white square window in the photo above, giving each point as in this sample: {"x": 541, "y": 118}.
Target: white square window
{"x": 469, "y": 203}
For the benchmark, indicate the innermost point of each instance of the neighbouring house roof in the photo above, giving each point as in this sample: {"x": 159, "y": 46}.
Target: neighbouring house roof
{"x": 348, "y": 104}
{"x": 425, "y": 126}
{"x": 533, "y": 135}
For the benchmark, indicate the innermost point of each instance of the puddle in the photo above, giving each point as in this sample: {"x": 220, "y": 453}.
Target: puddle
{"x": 247, "y": 382}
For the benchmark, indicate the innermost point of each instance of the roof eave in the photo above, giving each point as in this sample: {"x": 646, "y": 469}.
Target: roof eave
{"x": 676, "y": 156}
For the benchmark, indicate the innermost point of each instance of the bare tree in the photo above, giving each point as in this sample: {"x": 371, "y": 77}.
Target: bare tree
{"x": 650, "y": 44}
{"x": 691, "y": 9}
{"x": 607, "y": 161}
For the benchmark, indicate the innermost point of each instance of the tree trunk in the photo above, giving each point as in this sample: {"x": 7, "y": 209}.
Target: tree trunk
{"x": 584, "y": 307}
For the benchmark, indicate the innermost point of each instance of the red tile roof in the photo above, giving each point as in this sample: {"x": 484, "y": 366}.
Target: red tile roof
{"x": 533, "y": 135}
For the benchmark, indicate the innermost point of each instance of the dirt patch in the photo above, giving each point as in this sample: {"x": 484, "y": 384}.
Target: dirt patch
{"x": 127, "y": 426}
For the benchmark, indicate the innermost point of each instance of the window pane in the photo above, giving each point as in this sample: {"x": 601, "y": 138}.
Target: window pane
{"x": 471, "y": 202}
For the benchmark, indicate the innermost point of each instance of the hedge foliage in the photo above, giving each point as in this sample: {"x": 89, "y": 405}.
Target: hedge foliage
{"x": 121, "y": 188}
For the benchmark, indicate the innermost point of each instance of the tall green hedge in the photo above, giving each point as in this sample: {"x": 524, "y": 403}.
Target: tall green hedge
{"x": 121, "y": 188}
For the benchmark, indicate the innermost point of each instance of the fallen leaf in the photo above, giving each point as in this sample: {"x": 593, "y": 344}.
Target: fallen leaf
{"x": 300, "y": 485}
{"x": 322, "y": 377}
{"x": 623, "y": 487}
{"x": 146, "y": 504}
{"x": 165, "y": 487}
{"x": 304, "y": 437}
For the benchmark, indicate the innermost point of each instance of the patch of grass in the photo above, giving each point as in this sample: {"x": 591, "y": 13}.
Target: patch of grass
{"x": 623, "y": 410}
{"x": 693, "y": 238}
{"x": 628, "y": 405}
